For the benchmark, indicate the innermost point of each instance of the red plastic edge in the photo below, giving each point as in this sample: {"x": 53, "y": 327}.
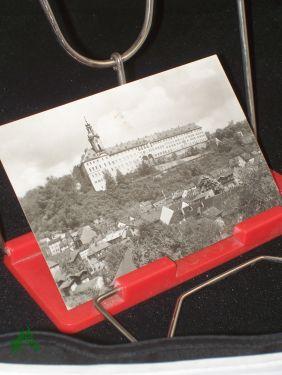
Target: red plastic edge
{"x": 26, "y": 262}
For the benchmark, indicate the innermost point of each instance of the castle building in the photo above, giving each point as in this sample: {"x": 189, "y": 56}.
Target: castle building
{"x": 128, "y": 156}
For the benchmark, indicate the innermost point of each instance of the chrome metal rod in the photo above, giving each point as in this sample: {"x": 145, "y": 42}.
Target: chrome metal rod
{"x": 119, "y": 67}
{"x": 247, "y": 64}
{"x": 93, "y": 63}
{"x": 98, "y": 304}
{"x": 180, "y": 300}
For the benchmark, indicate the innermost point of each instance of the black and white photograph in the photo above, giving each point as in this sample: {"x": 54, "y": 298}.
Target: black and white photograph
{"x": 160, "y": 167}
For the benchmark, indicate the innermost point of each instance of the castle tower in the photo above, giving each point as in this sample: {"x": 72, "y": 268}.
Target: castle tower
{"x": 93, "y": 138}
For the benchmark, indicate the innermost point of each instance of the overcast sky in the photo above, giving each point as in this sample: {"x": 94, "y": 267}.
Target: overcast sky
{"x": 52, "y": 142}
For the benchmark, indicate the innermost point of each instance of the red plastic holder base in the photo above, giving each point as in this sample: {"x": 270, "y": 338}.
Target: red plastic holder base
{"x": 25, "y": 261}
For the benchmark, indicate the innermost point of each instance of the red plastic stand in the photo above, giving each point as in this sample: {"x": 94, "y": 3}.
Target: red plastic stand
{"x": 27, "y": 264}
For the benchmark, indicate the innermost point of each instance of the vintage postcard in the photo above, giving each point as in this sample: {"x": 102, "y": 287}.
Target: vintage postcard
{"x": 163, "y": 166}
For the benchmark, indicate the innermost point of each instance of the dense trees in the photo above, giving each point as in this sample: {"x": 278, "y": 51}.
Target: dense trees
{"x": 174, "y": 241}
{"x": 145, "y": 169}
{"x": 110, "y": 181}
{"x": 263, "y": 192}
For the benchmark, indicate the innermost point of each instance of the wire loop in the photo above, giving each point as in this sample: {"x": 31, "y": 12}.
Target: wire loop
{"x": 93, "y": 63}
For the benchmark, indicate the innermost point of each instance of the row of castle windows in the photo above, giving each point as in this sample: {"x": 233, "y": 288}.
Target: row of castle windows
{"x": 124, "y": 164}
{"x": 166, "y": 144}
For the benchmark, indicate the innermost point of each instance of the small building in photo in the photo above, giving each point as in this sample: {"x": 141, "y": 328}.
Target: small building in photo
{"x": 115, "y": 236}
{"x": 98, "y": 250}
{"x": 248, "y": 158}
{"x": 54, "y": 246}
{"x": 145, "y": 206}
{"x": 127, "y": 265}
{"x": 96, "y": 285}
{"x": 212, "y": 213}
{"x": 225, "y": 177}
{"x": 59, "y": 277}
{"x": 80, "y": 277}
{"x": 68, "y": 287}
{"x": 166, "y": 215}
{"x": 150, "y": 217}
{"x": 237, "y": 161}
{"x": 177, "y": 195}
{"x": 86, "y": 234}
{"x": 53, "y": 266}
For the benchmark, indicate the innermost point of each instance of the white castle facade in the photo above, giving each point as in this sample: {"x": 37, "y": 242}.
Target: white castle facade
{"x": 127, "y": 157}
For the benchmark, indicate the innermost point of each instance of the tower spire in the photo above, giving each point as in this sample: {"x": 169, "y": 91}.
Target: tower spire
{"x": 93, "y": 138}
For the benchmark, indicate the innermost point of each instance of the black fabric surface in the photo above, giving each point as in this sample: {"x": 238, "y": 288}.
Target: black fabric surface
{"x": 36, "y": 74}
{"x": 56, "y": 349}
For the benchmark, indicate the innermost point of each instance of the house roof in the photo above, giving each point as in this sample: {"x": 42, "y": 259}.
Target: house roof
{"x": 230, "y": 211}
{"x": 212, "y": 212}
{"x": 97, "y": 248}
{"x": 53, "y": 241}
{"x": 96, "y": 283}
{"x": 114, "y": 235}
{"x": 190, "y": 186}
{"x": 177, "y": 194}
{"x": 151, "y": 216}
{"x": 237, "y": 158}
{"x": 247, "y": 139}
{"x": 223, "y": 172}
{"x": 86, "y": 234}
{"x": 166, "y": 215}
{"x": 59, "y": 276}
{"x": 59, "y": 236}
{"x": 52, "y": 263}
{"x": 73, "y": 255}
{"x": 246, "y": 156}
{"x": 161, "y": 202}
{"x": 145, "y": 203}
{"x": 66, "y": 284}
{"x": 191, "y": 194}
{"x": 127, "y": 265}
{"x": 202, "y": 195}
{"x": 203, "y": 177}
{"x": 217, "y": 141}
{"x": 234, "y": 161}
{"x": 78, "y": 274}
{"x": 125, "y": 221}
{"x": 45, "y": 240}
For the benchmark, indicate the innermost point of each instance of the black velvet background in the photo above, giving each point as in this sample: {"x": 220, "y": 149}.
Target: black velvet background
{"x": 36, "y": 74}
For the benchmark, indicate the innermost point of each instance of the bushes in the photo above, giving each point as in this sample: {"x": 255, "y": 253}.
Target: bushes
{"x": 175, "y": 241}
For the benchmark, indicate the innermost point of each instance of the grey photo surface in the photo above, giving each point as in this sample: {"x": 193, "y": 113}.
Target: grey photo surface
{"x": 163, "y": 166}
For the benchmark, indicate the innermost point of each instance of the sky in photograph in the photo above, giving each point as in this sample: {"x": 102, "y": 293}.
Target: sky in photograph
{"x": 52, "y": 142}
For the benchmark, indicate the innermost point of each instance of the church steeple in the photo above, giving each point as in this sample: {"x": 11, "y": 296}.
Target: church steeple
{"x": 93, "y": 138}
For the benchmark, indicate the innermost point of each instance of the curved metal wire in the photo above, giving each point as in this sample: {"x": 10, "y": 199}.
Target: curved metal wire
{"x": 180, "y": 300}
{"x": 119, "y": 67}
{"x": 98, "y": 304}
{"x": 108, "y": 63}
{"x": 247, "y": 64}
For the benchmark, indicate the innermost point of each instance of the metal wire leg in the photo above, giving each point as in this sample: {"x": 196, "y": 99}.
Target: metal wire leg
{"x": 180, "y": 300}
{"x": 119, "y": 67}
{"x": 98, "y": 304}
{"x": 247, "y": 64}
